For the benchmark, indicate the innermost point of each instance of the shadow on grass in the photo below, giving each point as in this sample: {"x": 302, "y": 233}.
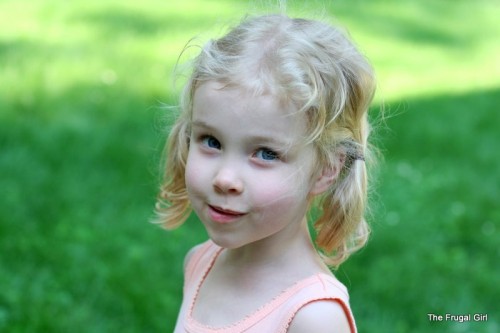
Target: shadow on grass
{"x": 78, "y": 178}
{"x": 79, "y": 186}
{"x": 436, "y": 227}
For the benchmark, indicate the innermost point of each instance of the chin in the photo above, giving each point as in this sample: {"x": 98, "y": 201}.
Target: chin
{"x": 226, "y": 242}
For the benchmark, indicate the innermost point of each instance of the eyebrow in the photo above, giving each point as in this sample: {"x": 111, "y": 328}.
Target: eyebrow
{"x": 260, "y": 139}
{"x": 275, "y": 142}
{"x": 201, "y": 123}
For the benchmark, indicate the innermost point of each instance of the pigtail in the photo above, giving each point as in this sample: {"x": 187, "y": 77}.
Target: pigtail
{"x": 341, "y": 228}
{"x": 172, "y": 205}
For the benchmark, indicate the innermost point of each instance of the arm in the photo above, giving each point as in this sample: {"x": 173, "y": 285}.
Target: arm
{"x": 320, "y": 317}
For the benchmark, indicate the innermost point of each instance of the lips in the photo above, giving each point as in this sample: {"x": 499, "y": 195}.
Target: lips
{"x": 221, "y": 215}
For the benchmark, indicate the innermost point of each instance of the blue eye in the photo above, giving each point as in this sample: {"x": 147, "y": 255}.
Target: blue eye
{"x": 266, "y": 154}
{"x": 210, "y": 142}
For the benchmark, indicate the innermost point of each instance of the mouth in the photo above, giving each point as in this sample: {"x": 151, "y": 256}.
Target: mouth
{"x": 226, "y": 211}
{"x": 222, "y": 215}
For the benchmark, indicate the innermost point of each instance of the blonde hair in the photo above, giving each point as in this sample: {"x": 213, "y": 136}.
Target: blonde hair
{"x": 316, "y": 67}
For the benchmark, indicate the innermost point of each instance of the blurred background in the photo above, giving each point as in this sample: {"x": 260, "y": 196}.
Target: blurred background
{"x": 82, "y": 85}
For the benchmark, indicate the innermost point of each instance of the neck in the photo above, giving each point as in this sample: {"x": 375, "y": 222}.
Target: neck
{"x": 272, "y": 254}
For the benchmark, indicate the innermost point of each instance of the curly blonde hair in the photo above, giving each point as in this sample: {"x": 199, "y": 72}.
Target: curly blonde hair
{"x": 315, "y": 66}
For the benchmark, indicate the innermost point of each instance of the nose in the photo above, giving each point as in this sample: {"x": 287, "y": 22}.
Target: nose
{"x": 227, "y": 181}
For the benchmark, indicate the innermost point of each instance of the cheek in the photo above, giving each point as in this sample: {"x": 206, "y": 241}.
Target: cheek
{"x": 281, "y": 195}
{"x": 194, "y": 174}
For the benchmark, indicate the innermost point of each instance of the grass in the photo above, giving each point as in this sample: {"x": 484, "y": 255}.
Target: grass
{"x": 81, "y": 130}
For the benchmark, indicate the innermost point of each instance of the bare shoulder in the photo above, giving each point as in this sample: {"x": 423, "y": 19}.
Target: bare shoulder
{"x": 320, "y": 317}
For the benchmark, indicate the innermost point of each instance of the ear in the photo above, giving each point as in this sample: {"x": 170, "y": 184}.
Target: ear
{"x": 328, "y": 176}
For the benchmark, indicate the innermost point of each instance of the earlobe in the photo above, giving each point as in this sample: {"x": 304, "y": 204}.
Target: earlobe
{"x": 328, "y": 176}
{"x": 324, "y": 181}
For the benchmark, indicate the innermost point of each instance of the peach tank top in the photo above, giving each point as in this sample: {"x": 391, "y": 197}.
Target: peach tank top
{"x": 274, "y": 316}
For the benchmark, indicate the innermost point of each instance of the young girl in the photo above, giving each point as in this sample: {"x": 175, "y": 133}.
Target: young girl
{"x": 273, "y": 123}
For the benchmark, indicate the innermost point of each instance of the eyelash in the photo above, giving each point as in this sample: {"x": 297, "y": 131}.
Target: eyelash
{"x": 206, "y": 138}
{"x": 275, "y": 155}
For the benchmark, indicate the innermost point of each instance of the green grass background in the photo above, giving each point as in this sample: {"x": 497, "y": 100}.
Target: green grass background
{"x": 82, "y": 128}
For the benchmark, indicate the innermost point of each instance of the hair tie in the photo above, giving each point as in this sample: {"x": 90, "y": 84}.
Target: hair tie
{"x": 352, "y": 151}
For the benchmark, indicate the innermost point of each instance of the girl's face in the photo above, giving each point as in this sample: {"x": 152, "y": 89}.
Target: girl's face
{"x": 248, "y": 175}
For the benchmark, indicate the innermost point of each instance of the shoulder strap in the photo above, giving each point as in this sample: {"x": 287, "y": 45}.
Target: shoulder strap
{"x": 326, "y": 288}
{"x": 200, "y": 258}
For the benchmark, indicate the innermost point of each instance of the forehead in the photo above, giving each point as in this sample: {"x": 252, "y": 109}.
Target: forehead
{"x": 237, "y": 107}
